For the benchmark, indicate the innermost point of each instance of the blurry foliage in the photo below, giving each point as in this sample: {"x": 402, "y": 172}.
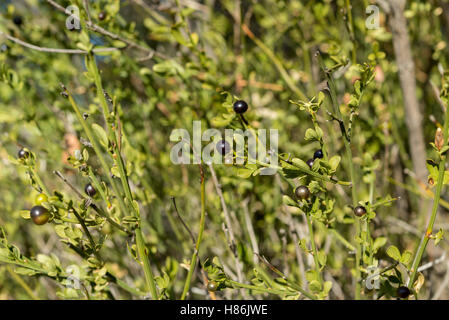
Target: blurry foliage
{"x": 212, "y": 52}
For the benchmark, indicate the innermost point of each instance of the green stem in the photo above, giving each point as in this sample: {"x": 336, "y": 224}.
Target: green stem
{"x": 333, "y": 93}
{"x": 95, "y": 145}
{"x": 345, "y": 242}
{"x": 278, "y": 64}
{"x": 141, "y": 249}
{"x": 39, "y": 181}
{"x": 260, "y": 289}
{"x": 89, "y": 236}
{"x": 351, "y": 31}
{"x": 124, "y": 286}
{"x": 314, "y": 249}
{"x": 426, "y": 237}
{"x": 22, "y": 283}
{"x": 367, "y": 225}
{"x": 199, "y": 239}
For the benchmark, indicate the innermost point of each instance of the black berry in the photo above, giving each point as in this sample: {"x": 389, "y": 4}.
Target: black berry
{"x": 22, "y": 154}
{"x": 102, "y": 16}
{"x": 39, "y": 215}
{"x": 90, "y": 190}
{"x": 359, "y": 211}
{"x": 403, "y": 292}
{"x": 302, "y": 192}
{"x": 17, "y": 20}
{"x": 212, "y": 286}
{"x": 318, "y": 154}
{"x": 223, "y": 147}
{"x": 240, "y": 106}
{"x": 310, "y": 163}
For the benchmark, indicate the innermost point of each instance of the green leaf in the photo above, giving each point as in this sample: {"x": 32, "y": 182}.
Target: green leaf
{"x": 394, "y": 253}
{"x": 24, "y": 271}
{"x": 60, "y": 230}
{"x": 334, "y": 162}
{"x": 300, "y": 164}
{"x": 101, "y": 134}
{"x": 311, "y": 135}
{"x": 406, "y": 256}
{"x": 379, "y": 243}
{"x": 115, "y": 171}
{"x": 244, "y": 173}
{"x": 25, "y": 214}
{"x": 322, "y": 258}
{"x": 288, "y": 201}
{"x": 439, "y": 236}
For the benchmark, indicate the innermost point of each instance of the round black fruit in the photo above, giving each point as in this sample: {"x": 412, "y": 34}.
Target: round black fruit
{"x": 223, "y": 147}
{"x": 39, "y": 215}
{"x": 360, "y": 211}
{"x": 102, "y": 15}
{"x": 22, "y": 154}
{"x": 90, "y": 190}
{"x": 318, "y": 154}
{"x": 212, "y": 286}
{"x": 17, "y": 20}
{"x": 302, "y": 192}
{"x": 240, "y": 106}
{"x": 403, "y": 292}
{"x": 310, "y": 163}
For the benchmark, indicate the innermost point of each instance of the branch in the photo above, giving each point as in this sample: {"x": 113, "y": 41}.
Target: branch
{"x": 54, "y": 50}
{"x": 96, "y": 28}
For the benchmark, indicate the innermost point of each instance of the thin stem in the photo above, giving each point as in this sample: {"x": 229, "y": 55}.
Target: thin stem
{"x": 232, "y": 243}
{"x": 345, "y": 242}
{"x": 314, "y": 249}
{"x": 256, "y": 288}
{"x": 124, "y": 286}
{"x": 97, "y": 209}
{"x": 141, "y": 249}
{"x": 200, "y": 236}
{"x": 39, "y": 181}
{"x": 351, "y": 31}
{"x": 54, "y": 50}
{"x": 95, "y": 145}
{"x": 290, "y": 283}
{"x": 347, "y": 143}
{"x": 288, "y": 80}
{"x": 96, "y": 28}
{"x": 426, "y": 237}
{"x": 22, "y": 283}
{"x": 367, "y": 226}
{"x": 89, "y": 236}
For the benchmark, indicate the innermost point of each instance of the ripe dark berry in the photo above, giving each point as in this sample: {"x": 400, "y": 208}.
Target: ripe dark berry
{"x": 310, "y": 163}
{"x": 22, "y": 154}
{"x": 39, "y": 215}
{"x": 17, "y": 20}
{"x": 212, "y": 286}
{"x": 359, "y": 211}
{"x": 318, "y": 154}
{"x": 403, "y": 292}
{"x": 302, "y": 192}
{"x": 223, "y": 147}
{"x": 240, "y": 106}
{"x": 41, "y": 198}
{"x": 90, "y": 190}
{"x": 102, "y": 16}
